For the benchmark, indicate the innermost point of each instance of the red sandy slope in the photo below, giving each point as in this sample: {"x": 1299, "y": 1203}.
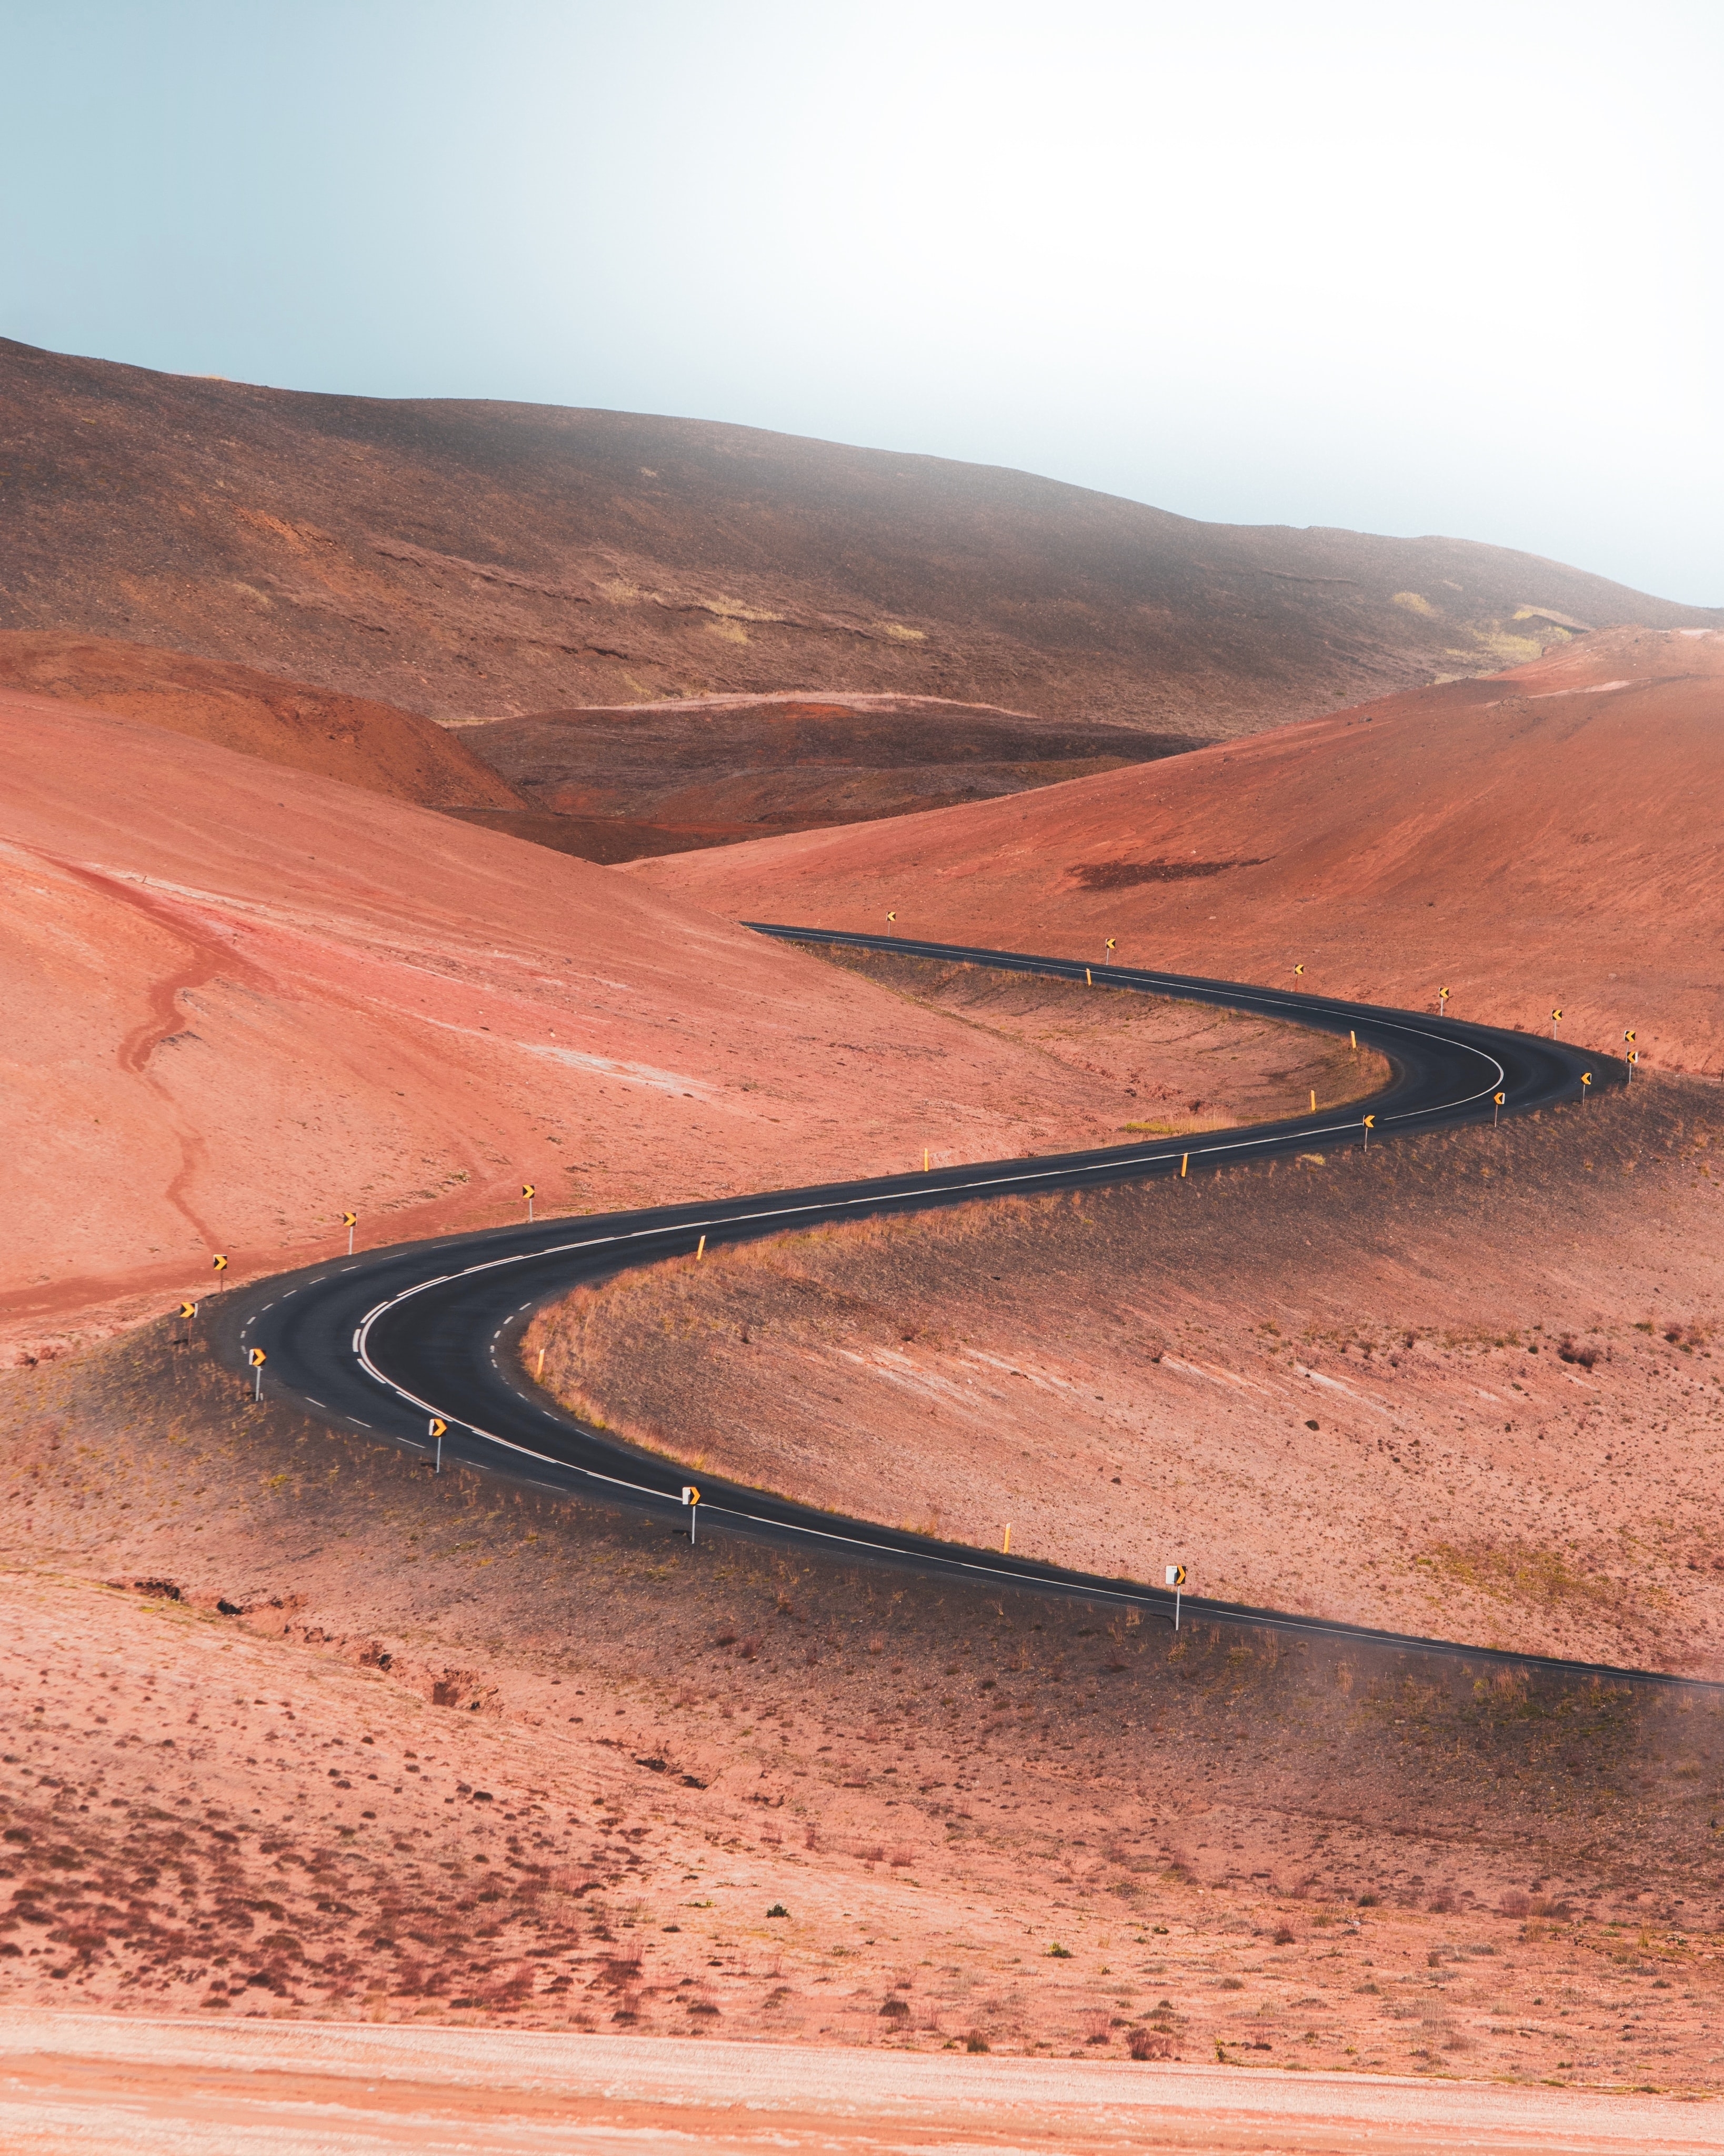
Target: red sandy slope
{"x": 240, "y": 1000}
{"x": 376, "y": 746}
{"x": 1548, "y": 837}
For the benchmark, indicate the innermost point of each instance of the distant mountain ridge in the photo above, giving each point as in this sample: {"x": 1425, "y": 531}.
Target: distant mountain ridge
{"x": 467, "y": 557}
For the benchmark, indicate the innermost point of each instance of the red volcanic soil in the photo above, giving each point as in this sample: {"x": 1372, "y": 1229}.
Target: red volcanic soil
{"x": 645, "y": 1790}
{"x": 1545, "y": 837}
{"x": 1466, "y": 1386}
{"x": 669, "y": 778}
{"x": 244, "y": 1000}
{"x": 376, "y": 745}
{"x": 462, "y": 558}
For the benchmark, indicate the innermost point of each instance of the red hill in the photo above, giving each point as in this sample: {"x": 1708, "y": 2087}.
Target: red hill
{"x": 1545, "y": 837}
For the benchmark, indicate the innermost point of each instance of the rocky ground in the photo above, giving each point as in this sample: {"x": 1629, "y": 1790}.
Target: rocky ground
{"x": 293, "y": 1728}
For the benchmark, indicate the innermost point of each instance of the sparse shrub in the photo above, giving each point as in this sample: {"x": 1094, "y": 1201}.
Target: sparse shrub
{"x": 1516, "y": 1903}
{"x": 1284, "y": 1935}
{"x": 896, "y": 2010}
{"x": 777, "y": 1909}
{"x": 1567, "y": 1352}
{"x": 976, "y": 2041}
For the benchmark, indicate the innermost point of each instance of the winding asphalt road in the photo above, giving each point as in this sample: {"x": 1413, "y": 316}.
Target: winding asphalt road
{"x": 383, "y": 1342}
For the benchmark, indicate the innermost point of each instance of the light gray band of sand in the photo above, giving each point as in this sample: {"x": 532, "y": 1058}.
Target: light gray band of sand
{"x": 962, "y": 2093}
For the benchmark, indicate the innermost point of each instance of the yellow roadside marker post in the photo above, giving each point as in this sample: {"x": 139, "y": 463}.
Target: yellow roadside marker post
{"x": 1496, "y": 1101}
{"x": 1586, "y": 1087}
{"x": 1313, "y": 1100}
{"x": 438, "y": 1427}
{"x": 219, "y": 1263}
{"x": 1176, "y": 1580}
{"x": 1352, "y": 1039}
{"x": 691, "y": 1498}
{"x": 257, "y": 1358}
{"x": 349, "y": 1221}
{"x": 700, "y": 1248}
{"x": 1006, "y": 1546}
{"x": 1556, "y": 1020}
{"x": 926, "y": 1159}
{"x": 539, "y": 1372}
{"x": 528, "y": 1191}
{"x": 1370, "y": 1126}
{"x": 1184, "y": 1162}
{"x": 1088, "y": 983}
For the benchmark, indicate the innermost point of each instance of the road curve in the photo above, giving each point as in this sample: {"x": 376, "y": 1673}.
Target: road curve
{"x": 382, "y": 1343}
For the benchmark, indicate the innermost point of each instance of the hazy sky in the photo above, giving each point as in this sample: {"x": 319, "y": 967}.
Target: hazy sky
{"x": 1406, "y": 269}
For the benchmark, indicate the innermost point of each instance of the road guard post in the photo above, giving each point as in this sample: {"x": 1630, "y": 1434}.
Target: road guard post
{"x": 691, "y": 1498}
{"x": 257, "y": 1358}
{"x": 438, "y": 1427}
{"x": 1176, "y": 1580}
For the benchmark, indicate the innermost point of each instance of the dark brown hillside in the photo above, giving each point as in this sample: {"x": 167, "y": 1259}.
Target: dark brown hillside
{"x": 673, "y": 776}
{"x": 459, "y": 559}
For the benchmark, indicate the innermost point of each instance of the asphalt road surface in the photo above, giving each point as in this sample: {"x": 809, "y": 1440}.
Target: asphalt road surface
{"x": 386, "y": 1341}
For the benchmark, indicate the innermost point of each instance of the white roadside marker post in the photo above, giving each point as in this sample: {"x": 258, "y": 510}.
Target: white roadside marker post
{"x": 1370, "y": 1126}
{"x": 1556, "y": 1020}
{"x": 1634, "y": 1053}
{"x": 1497, "y": 1105}
{"x": 1176, "y": 1580}
{"x": 691, "y": 1498}
{"x": 1586, "y": 1087}
{"x": 528, "y": 1191}
{"x": 349, "y": 1221}
{"x": 188, "y": 1310}
{"x": 257, "y": 1358}
{"x": 438, "y": 1427}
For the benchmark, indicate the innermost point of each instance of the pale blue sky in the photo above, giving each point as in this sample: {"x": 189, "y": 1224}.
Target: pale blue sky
{"x": 1402, "y": 269}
